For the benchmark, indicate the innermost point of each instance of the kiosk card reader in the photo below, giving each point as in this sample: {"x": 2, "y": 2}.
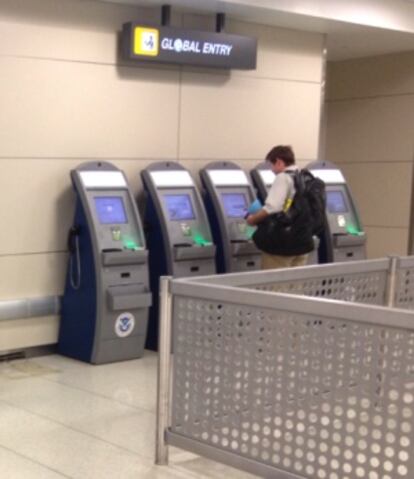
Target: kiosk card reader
{"x": 228, "y": 194}
{"x": 263, "y": 178}
{"x": 105, "y": 305}
{"x": 178, "y": 234}
{"x": 344, "y": 239}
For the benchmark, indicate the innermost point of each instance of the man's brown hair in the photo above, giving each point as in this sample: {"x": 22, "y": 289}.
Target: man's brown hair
{"x": 283, "y": 152}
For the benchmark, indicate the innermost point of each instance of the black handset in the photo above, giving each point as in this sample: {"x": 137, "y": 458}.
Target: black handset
{"x": 73, "y": 233}
{"x": 73, "y": 247}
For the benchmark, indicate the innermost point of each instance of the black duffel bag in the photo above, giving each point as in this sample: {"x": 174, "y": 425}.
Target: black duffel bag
{"x": 286, "y": 233}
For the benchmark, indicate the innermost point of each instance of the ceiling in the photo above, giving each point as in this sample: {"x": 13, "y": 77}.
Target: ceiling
{"x": 345, "y": 40}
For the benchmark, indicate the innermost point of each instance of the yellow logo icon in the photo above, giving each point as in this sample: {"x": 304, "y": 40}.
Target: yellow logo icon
{"x": 146, "y": 41}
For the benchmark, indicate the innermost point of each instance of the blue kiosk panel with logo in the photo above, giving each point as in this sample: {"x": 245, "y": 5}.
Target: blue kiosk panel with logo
{"x": 178, "y": 233}
{"x": 106, "y": 299}
{"x": 228, "y": 194}
{"x": 344, "y": 238}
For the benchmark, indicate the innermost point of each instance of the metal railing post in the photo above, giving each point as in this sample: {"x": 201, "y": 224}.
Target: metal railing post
{"x": 389, "y": 301}
{"x": 392, "y": 281}
{"x": 164, "y": 369}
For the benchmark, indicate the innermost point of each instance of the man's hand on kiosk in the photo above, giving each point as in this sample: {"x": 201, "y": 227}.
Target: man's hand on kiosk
{"x": 255, "y": 213}
{"x": 256, "y": 218}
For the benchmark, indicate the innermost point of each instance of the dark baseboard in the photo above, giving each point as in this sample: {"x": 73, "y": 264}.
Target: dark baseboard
{"x": 27, "y": 353}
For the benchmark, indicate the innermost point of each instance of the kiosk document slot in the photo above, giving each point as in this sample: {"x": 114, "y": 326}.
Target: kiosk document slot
{"x": 106, "y": 299}
{"x": 228, "y": 194}
{"x": 178, "y": 234}
{"x": 344, "y": 239}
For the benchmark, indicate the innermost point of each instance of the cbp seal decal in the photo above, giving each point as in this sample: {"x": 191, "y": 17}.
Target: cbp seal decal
{"x": 124, "y": 325}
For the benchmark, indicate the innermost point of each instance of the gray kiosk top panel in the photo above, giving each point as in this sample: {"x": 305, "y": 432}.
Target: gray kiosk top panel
{"x": 268, "y": 177}
{"x": 329, "y": 176}
{"x": 228, "y": 177}
{"x": 103, "y": 179}
{"x": 171, "y": 178}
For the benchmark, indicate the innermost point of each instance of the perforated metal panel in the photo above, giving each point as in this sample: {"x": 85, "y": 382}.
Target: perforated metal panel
{"x": 316, "y": 397}
{"x": 404, "y": 290}
{"x": 368, "y": 288}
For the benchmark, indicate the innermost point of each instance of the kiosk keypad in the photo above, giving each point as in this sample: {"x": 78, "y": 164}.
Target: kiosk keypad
{"x": 116, "y": 234}
{"x": 186, "y": 229}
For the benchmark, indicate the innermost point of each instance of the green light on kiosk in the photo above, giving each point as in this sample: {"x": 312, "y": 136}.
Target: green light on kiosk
{"x": 129, "y": 244}
{"x": 250, "y": 231}
{"x": 353, "y": 230}
{"x": 199, "y": 240}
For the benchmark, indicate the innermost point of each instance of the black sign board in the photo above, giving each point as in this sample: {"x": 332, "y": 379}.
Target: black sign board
{"x": 188, "y": 47}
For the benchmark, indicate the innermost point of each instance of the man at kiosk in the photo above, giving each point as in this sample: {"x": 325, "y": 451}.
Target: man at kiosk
{"x": 295, "y": 251}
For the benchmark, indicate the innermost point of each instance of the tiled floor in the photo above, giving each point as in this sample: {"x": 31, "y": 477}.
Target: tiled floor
{"x": 63, "y": 418}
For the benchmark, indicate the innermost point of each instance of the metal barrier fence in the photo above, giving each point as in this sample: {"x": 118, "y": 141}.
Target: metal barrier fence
{"x": 272, "y": 377}
{"x": 404, "y": 291}
{"x": 361, "y": 282}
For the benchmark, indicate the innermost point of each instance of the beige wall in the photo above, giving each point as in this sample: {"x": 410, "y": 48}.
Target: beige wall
{"x": 369, "y": 134}
{"x": 66, "y": 98}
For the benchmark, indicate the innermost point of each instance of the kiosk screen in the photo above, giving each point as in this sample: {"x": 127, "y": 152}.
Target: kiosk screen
{"x": 110, "y": 210}
{"x": 235, "y": 204}
{"x": 335, "y": 202}
{"x": 179, "y": 207}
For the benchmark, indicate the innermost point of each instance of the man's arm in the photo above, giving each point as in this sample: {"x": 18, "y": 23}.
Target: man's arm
{"x": 274, "y": 202}
{"x": 257, "y": 218}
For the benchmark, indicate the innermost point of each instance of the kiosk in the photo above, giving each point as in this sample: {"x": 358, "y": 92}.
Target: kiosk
{"x": 228, "y": 194}
{"x": 178, "y": 234}
{"x": 344, "y": 238}
{"x": 262, "y": 177}
{"x": 105, "y": 304}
